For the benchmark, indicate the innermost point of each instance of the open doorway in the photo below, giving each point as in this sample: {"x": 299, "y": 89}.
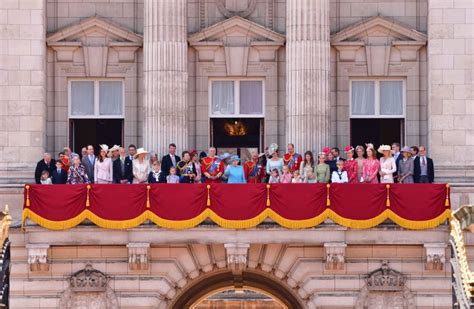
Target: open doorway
{"x": 85, "y": 132}
{"x": 377, "y": 131}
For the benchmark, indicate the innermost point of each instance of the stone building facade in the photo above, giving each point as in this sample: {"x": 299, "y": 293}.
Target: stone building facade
{"x": 158, "y": 71}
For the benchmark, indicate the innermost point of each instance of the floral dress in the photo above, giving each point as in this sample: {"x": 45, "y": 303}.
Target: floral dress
{"x": 370, "y": 170}
{"x": 77, "y": 175}
{"x": 351, "y": 167}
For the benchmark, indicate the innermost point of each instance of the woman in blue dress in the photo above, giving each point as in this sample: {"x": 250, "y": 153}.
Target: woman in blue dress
{"x": 235, "y": 172}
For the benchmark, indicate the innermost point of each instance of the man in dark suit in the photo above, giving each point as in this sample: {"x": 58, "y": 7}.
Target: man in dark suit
{"x": 121, "y": 168}
{"x": 46, "y": 164}
{"x": 59, "y": 175}
{"x": 424, "y": 168}
{"x": 89, "y": 161}
{"x": 132, "y": 150}
{"x": 171, "y": 159}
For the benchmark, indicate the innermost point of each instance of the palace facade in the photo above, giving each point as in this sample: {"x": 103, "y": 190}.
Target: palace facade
{"x": 238, "y": 75}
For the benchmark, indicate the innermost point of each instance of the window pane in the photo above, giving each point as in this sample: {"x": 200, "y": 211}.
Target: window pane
{"x": 222, "y": 98}
{"x": 82, "y": 98}
{"x": 251, "y": 97}
{"x": 363, "y": 98}
{"x": 110, "y": 98}
{"x": 391, "y": 98}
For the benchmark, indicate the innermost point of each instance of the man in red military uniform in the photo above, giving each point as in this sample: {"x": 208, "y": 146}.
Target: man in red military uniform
{"x": 212, "y": 167}
{"x": 292, "y": 159}
{"x": 254, "y": 170}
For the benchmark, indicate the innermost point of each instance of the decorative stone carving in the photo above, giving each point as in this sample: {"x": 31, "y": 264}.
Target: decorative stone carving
{"x": 385, "y": 288}
{"x": 138, "y": 256}
{"x": 242, "y": 8}
{"x": 38, "y": 257}
{"x": 435, "y": 256}
{"x": 237, "y": 256}
{"x": 335, "y": 255}
{"x": 88, "y": 288}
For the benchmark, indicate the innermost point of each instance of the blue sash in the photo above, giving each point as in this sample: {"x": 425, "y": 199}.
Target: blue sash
{"x": 255, "y": 171}
{"x": 214, "y": 165}
{"x": 293, "y": 159}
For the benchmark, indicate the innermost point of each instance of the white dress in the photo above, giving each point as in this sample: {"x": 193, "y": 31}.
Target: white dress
{"x": 140, "y": 171}
{"x": 389, "y": 167}
{"x": 103, "y": 171}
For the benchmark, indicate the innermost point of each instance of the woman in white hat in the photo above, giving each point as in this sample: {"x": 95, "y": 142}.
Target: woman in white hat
{"x": 275, "y": 162}
{"x": 406, "y": 166}
{"x": 388, "y": 166}
{"x": 103, "y": 167}
{"x": 141, "y": 167}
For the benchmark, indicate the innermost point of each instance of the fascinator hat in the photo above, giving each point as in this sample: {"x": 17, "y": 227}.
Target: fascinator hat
{"x": 273, "y": 148}
{"x": 104, "y": 147}
{"x": 348, "y": 149}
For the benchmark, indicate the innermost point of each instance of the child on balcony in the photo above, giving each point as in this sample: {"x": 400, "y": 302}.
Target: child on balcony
{"x": 310, "y": 177}
{"x": 339, "y": 176}
{"x": 155, "y": 175}
{"x": 172, "y": 177}
{"x": 45, "y": 180}
{"x": 274, "y": 176}
{"x": 296, "y": 177}
{"x": 286, "y": 175}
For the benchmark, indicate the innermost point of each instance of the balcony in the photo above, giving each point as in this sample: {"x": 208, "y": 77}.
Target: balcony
{"x": 294, "y": 206}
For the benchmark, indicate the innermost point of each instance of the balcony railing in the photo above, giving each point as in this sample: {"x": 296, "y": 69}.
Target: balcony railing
{"x": 180, "y": 206}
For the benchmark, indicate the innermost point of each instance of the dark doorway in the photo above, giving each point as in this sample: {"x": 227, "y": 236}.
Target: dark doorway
{"x": 377, "y": 131}
{"x": 85, "y": 132}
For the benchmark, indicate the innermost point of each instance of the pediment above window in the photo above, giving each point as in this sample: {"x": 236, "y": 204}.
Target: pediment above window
{"x": 237, "y": 41}
{"x": 378, "y": 41}
{"x": 95, "y": 42}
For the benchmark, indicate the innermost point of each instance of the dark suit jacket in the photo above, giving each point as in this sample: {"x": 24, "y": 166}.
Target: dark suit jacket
{"x": 89, "y": 167}
{"x": 59, "y": 178}
{"x": 41, "y": 166}
{"x": 399, "y": 158}
{"x": 117, "y": 170}
{"x": 417, "y": 169}
{"x": 129, "y": 169}
{"x": 166, "y": 164}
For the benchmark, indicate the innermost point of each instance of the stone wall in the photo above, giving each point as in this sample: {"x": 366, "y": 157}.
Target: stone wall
{"x": 450, "y": 88}
{"x": 22, "y": 86}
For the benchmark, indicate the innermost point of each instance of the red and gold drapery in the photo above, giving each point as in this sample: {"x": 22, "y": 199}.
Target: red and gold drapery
{"x": 181, "y": 206}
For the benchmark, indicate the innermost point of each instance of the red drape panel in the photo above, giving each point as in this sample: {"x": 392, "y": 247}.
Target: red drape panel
{"x": 238, "y": 201}
{"x": 117, "y": 202}
{"x": 357, "y": 201}
{"x": 298, "y": 201}
{"x": 178, "y": 201}
{"x": 419, "y": 202}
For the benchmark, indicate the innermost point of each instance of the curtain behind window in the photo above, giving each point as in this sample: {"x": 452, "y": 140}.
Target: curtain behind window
{"x": 391, "y": 98}
{"x": 251, "y": 97}
{"x": 363, "y": 98}
{"x": 222, "y": 98}
{"x": 82, "y": 98}
{"x": 110, "y": 98}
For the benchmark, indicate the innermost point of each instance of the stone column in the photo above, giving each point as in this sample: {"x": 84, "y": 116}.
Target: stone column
{"x": 165, "y": 75}
{"x": 307, "y": 80}
{"x": 22, "y": 88}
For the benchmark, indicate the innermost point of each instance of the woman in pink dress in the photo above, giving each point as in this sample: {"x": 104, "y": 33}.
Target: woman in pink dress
{"x": 350, "y": 165}
{"x": 371, "y": 167}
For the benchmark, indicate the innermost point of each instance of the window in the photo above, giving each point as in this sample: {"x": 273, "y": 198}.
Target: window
{"x": 377, "y": 98}
{"x": 96, "y": 99}
{"x": 241, "y": 98}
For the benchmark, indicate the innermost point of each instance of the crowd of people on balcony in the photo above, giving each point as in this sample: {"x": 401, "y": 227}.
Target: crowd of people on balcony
{"x": 360, "y": 165}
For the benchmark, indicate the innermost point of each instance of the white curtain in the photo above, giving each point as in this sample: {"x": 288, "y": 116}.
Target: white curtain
{"x": 222, "y": 98}
{"x": 363, "y": 98}
{"x": 251, "y": 97}
{"x": 391, "y": 98}
{"x": 82, "y": 98}
{"x": 110, "y": 98}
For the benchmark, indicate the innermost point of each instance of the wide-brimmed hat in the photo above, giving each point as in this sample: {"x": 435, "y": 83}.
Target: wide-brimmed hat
{"x": 405, "y": 149}
{"x": 235, "y": 158}
{"x": 383, "y": 148}
{"x": 262, "y": 154}
{"x": 273, "y": 148}
{"x": 140, "y": 151}
{"x": 104, "y": 147}
{"x": 224, "y": 156}
{"x": 114, "y": 148}
{"x": 348, "y": 149}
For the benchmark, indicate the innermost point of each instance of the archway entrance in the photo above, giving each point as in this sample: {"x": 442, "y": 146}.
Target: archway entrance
{"x": 252, "y": 286}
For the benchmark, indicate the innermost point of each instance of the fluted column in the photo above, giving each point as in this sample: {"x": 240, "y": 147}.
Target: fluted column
{"x": 307, "y": 69}
{"x": 165, "y": 75}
